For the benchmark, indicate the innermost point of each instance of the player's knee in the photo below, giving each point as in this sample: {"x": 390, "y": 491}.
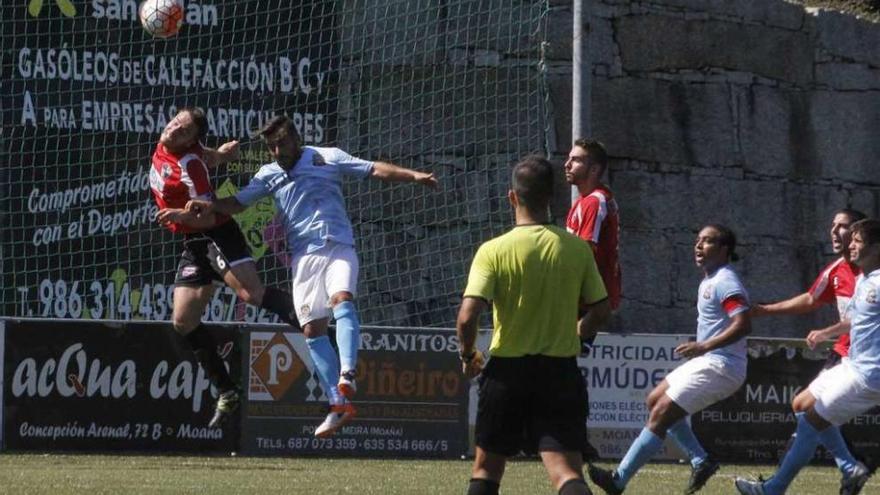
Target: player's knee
{"x": 182, "y": 325}
{"x": 802, "y": 402}
{"x": 340, "y": 297}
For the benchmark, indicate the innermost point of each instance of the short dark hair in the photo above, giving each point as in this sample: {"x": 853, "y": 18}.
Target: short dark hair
{"x": 278, "y": 127}
{"x": 868, "y": 229}
{"x": 595, "y": 151}
{"x": 854, "y": 215}
{"x": 199, "y": 119}
{"x": 727, "y": 238}
{"x": 532, "y": 181}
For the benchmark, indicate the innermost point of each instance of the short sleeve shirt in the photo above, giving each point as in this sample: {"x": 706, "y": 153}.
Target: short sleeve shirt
{"x": 835, "y": 285}
{"x": 595, "y": 218}
{"x": 309, "y": 196}
{"x": 535, "y": 276}
{"x": 864, "y": 313}
{"x": 722, "y": 296}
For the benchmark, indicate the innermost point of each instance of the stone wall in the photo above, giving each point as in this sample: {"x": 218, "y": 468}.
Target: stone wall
{"x": 757, "y": 114}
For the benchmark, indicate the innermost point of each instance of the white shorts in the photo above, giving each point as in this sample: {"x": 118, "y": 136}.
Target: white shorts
{"x": 319, "y": 275}
{"x": 840, "y": 396}
{"x": 701, "y": 382}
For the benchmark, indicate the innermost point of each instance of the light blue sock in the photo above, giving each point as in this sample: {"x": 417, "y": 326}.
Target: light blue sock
{"x": 348, "y": 334}
{"x": 683, "y": 435}
{"x": 833, "y": 441}
{"x": 327, "y": 364}
{"x": 643, "y": 448}
{"x": 798, "y": 456}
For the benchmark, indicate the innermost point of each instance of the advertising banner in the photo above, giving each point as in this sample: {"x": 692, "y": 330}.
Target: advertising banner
{"x": 84, "y": 96}
{"x": 620, "y": 372}
{"x": 75, "y": 385}
{"x": 755, "y": 424}
{"x": 412, "y": 400}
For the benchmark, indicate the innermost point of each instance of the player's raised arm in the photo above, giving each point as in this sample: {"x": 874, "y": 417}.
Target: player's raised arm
{"x": 228, "y": 206}
{"x": 226, "y": 153}
{"x": 390, "y": 172}
{"x": 799, "y": 304}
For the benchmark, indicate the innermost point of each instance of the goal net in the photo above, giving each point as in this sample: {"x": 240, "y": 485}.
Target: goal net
{"x": 453, "y": 86}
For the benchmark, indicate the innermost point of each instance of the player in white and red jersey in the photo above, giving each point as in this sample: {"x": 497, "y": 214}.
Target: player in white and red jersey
{"x": 594, "y": 217}
{"x": 215, "y": 249}
{"x": 834, "y": 285}
{"x": 715, "y": 370}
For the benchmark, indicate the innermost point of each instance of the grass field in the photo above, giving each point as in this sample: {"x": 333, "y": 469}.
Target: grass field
{"x": 131, "y": 474}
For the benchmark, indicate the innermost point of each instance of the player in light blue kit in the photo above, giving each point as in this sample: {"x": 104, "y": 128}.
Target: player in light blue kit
{"x": 716, "y": 369}
{"x": 306, "y": 185}
{"x": 846, "y": 390}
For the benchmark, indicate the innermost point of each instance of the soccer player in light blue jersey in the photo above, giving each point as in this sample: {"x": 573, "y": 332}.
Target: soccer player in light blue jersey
{"x": 306, "y": 184}
{"x": 846, "y": 390}
{"x": 715, "y": 370}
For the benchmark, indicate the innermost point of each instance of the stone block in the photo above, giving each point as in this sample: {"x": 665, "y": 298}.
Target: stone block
{"x": 847, "y": 37}
{"x": 511, "y": 29}
{"x": 396, "y": 32}
{"x": 847, "y": 77}
{"x": 448, "y": 110}
{"x": 647, "y": 267}
{"x": 651, "y": 43}
{"x": 664, "y": 121}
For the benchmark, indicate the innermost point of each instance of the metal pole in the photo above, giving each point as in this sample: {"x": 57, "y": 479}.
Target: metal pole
{"x": 581, "y": 84}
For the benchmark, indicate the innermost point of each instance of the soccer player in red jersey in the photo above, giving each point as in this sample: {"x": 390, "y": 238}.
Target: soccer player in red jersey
{"x": 834, "y": 285}
{"x": 214, "y": 246}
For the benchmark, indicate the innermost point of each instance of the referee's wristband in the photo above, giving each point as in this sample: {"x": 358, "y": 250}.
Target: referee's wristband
{"x": 467, "y": 358}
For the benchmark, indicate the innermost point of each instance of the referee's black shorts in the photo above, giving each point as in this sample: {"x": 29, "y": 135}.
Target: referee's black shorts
{"x": 531, "y": 404}
{"x": 207, "y": 256}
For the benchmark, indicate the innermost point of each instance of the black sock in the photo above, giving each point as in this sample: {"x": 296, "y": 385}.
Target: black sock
{"x": 280, "y": 303}
{"x": 480, "y": 486}
{"x": 574, "y": 486}
{"x": 205, "y": 349}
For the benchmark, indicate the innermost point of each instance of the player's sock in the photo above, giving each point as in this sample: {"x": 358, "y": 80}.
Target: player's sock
{"x": 327, "y": 365}
{"x": 205, "y": 349}
{"x": 797, "y": 457}
{"x": 683, "y": 435}
{"x": 280, "y": 303}
{"x": 479, "y": 486}
{"x": 348, "y": 334}
{"x": 833, "y": 441}
{"x": 642, "y": 449}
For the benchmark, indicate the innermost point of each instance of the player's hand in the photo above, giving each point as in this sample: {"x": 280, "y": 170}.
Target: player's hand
{"x": 473, "y": 367}
{"x": 691, "y": 349}
{"x": 427, "y": 180}
{"x": 167, "y": 216}
{"x": 229, "y": 151}
{"x": 815, "y": 338}
{"x": 199, "y": 206}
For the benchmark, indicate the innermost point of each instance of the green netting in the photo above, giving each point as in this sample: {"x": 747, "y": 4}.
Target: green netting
{"x": 449, "y": 86}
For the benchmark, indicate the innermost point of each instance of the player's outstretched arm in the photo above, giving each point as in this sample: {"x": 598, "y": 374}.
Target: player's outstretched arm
{"x": 228, "y": 206}
{"x": 816, "y": 337}
{"x": 226, "y": 153}
{"x": 191, "y": 219}
{"x": 390, "y": 172}
{"x": 797, "y": 305}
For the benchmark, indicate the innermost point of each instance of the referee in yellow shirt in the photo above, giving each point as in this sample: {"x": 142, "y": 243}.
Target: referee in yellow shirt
{"x": 532, "y": 395}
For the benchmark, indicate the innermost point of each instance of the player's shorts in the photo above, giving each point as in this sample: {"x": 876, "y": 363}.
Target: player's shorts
{"x": 207, "y": 256}
{"x": 701, "y": 382}
{"x": 531, "y": 404}
{"x": 840, "y": 396}
{"x": 318, "y": 275}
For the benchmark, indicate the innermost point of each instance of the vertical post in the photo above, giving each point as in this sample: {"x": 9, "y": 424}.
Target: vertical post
{"x": 581, "y": 87}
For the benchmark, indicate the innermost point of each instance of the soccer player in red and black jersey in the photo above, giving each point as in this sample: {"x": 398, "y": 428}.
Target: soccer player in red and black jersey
{"x": 834, "y": 285}
{"x": 214, "y": 246}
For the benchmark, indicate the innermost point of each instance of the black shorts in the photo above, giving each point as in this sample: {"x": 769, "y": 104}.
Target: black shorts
{"x": 207, "y": 256}
{"x": 531, "y": 404}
